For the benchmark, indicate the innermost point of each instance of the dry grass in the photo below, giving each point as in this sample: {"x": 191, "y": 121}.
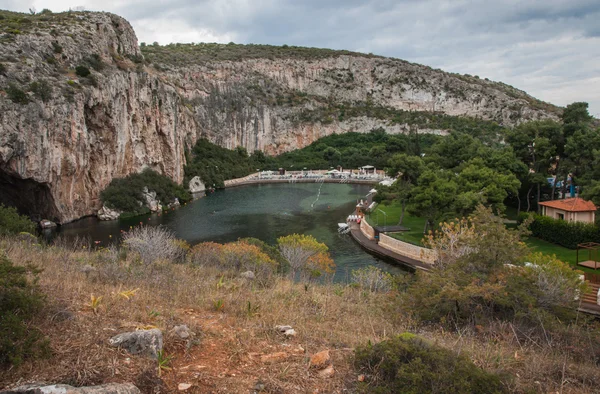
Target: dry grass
{"x": 228, "y": 351}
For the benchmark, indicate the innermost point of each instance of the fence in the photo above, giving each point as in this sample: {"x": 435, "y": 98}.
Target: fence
{"x": 367, "y": 230}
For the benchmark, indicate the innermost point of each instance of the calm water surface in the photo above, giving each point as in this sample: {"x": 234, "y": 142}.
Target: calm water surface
{"x": 265, "y": 212}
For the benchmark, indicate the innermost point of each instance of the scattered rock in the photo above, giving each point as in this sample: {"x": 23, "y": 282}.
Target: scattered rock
{"x": 320, "y": 360}
{"x": 361, "y": 378}
{"x": 274, "y": 357}
{"x": 327, "y": 372}
{"x": 196, "y": 185}
{"x": 111, "y": 388}
{"x": 183, "y": 386}
{"x": 105, "y": 213}
{"x": 63, "y": 315}
{"x": 259, "y": 386}
{"x": 181, "y": 332}
{"x": 44, "y": 224}
{"x": 247, "y": 275}
{"x": 145, "y": 342}
{"x": 287, "y": 331}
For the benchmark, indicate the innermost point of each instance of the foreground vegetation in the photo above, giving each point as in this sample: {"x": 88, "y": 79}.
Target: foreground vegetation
{"x": 480, "y": 322}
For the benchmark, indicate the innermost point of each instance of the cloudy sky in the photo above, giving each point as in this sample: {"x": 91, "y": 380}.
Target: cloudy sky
{"x": 549, "y": 48}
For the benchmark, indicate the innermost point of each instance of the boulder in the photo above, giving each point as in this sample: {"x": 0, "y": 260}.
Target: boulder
{"x": 150, "y": 198}
{"x": 287, "y": 331}
{"x": 105, "y": 213}
{"x": 327, "y": 372}
{"x": 143, "y": 342}
{"x": 196, "y": 185}
{"x": 111, "y": 388}
{"x": 247, "y": 275}
{"x": 181, "y": 332}
{"x": 44, "y": 224}
{"x": 320, "y": 360}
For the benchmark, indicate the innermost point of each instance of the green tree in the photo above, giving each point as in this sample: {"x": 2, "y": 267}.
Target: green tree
{"x": 537, "y": 144}
{"x": 20, "y": 300}
{"x": 13, "y": 223}
{"x": 484, "y": 272}
{"x": 408, "y": 169}
{"x": 433, "y": 195}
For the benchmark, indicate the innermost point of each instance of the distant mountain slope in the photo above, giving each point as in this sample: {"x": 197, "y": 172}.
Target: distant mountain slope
{"x": 82, "y": 103}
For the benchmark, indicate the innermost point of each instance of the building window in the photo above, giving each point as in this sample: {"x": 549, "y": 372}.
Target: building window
{"x": 561, "y": 216}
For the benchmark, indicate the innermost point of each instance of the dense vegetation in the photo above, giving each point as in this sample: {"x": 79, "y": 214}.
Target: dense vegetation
{"x": 126, "y": 194}
{"x": 186, "y": 54}
{"x": 13, "y": 223}
{"x": 20, "y": 300}
{"x": 480, "y": 275}
{"x": 215, "y": 164}
{"x": 562, "y": 232}
{"x": 409, "y": 364}
{"x": 462, "y": 170}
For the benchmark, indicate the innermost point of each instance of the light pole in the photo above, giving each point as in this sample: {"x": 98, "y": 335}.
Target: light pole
{"x": 384, "y": 217}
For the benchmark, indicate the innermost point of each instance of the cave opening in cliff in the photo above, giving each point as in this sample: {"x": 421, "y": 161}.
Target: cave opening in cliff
{"x": 31, "y": 198}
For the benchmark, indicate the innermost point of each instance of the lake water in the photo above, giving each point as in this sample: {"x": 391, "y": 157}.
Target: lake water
{"x": 265, "y": 212}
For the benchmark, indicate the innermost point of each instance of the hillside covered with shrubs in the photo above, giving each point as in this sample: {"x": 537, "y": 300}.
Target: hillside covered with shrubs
{"x": 481, "y": 321}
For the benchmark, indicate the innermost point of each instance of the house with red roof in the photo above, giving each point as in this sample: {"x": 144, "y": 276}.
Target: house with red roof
{"x": 570, "y": 209}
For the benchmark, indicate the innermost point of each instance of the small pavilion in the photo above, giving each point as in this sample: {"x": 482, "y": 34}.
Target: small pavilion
{"x": 368, "y": 169}
{"x": 588, "y": 253}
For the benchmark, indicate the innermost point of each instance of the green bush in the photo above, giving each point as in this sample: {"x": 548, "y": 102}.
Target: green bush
{"x": 95, "y": 62}
{"x": 20, "y": 300}
{"x": 41, "y": 89}
{"x": 13, "y": 223}
{"x": 82, "y": 71}
{"x": 16, "y": 95}
{"x": 215, "y": 164}
{"x": 561, "y": 232}
{"x": 56, "y": 47}
{"x": 409, "y": 364}
{"x": 271, "y": 251}
{"x": 125, "y": 194}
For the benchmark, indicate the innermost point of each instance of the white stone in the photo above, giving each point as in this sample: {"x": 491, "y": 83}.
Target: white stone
{"x": 196, "y": 185}
{"x": 105, "y": 213}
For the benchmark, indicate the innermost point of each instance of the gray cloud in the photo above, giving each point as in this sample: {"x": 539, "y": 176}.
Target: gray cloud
{"x": 549, "y": 48}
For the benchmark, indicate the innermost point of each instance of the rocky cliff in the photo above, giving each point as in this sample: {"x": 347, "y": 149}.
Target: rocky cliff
{"x": 81, "y": 103}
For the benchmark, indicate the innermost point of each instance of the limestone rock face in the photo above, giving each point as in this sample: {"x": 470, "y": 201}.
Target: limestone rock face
{"x": 62, "y": 145}
{"x": 105, "y": 213}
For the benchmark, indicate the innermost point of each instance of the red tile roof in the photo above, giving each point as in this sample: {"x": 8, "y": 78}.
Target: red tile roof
{"x": 575, "y": 204}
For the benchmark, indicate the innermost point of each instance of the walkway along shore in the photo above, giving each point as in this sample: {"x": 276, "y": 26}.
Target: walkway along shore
{"x": 408, "y": 255}
{"x": 308, "y": 177}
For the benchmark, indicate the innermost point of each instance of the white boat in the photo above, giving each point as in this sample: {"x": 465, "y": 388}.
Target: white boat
{"x": 343, "y": 228}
